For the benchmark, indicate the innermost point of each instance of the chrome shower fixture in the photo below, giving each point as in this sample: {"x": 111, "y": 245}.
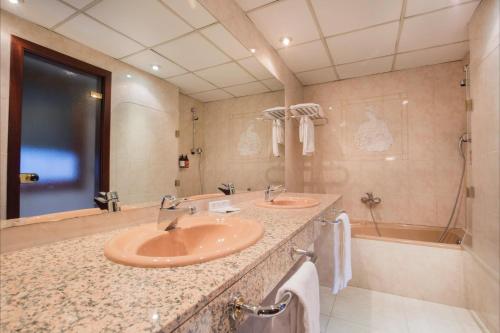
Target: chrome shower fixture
{"x": 194, "y": 114}
{"x": 370, "y": 200}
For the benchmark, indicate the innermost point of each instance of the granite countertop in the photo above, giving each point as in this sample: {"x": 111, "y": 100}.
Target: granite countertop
{"x": 71, "y": 286}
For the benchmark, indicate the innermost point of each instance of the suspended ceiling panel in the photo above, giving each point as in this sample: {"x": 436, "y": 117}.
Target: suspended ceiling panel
{"x": 338, "y": 39}
{"x": 180, "y": 39}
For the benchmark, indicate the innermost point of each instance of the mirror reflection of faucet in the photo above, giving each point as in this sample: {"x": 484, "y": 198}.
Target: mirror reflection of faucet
{"x": 227, "y": 189}
{"x": 170, "y": 212}
{"x": 108, "y": 201}
{"x": 273, "y": 191}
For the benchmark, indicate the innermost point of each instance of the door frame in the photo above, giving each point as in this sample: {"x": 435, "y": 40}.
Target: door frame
{"x": 19, "y": 47}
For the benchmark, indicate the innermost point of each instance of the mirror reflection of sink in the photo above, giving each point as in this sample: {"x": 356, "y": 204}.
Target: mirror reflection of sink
{"x": 289, "y": 202}
{"x": 196, "y": 239}
{"x": 205, "y": 196}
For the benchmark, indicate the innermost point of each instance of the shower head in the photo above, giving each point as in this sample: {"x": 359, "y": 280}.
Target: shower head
{"x": 194, "y": 114}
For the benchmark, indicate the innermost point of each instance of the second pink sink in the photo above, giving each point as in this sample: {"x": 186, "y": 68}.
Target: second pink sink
{"x": 196, "y": 239}
{"x": 289, "y": 202}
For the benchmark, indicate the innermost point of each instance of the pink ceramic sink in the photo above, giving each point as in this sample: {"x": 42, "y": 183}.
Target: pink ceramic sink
{"x": 196, "y": 239}
{"x": 289, "y": 202}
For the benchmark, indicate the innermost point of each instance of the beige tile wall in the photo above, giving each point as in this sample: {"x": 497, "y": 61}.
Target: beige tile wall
{"x": 482, "y": 263}
{"x": 418, "y": 175}
{"x": 190, "y": 177}
{"x": 237, "y": 146}
{"x": 143, "y": 99}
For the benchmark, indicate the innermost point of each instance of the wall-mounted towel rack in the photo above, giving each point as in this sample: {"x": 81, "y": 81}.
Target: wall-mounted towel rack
{"x": 237, "y": 307}
{"x": 277, "y": 112}
{"x": 336, "y": 212}
{"x": 312, "y": 110}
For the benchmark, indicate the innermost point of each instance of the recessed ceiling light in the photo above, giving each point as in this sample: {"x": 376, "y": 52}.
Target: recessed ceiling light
{"x": 155, "y": 67}
{"x": 286, "y": 41}
{"x": 15, "y": 2}
{"x": 128, "y": 76}
{"x": 253, "y": 50}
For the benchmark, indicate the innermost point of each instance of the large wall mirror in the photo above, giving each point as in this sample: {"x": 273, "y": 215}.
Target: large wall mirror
{"x": 144, "y": 115}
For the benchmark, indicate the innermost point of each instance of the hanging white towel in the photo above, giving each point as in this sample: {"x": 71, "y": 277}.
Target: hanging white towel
{"x": 306, "y": 135}
{"x": 278, "y": 136}
{"x": 304, "y": 284}
{"x": 342, "y": 271}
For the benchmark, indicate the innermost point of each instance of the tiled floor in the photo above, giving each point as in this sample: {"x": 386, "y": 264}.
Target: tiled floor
{"x": 356, "y": 310}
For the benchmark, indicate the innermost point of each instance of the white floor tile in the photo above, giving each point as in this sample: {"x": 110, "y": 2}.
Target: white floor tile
{"x": 326, "y": 299}
{"x": 337, "y": 325}
{"x": 361, "y": 310}
{"x": 323, "y": 322}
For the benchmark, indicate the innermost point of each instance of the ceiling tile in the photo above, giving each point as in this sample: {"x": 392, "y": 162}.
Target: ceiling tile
{"x": 317, "y": 76}
{"x": 145, "y": 59}
{"x": 213, "y": 95}
{"x": 437, "y": 28}
{"x": 414, "y": 7}
{"x": 246, "y": 89}
{"x": 192, "y": 52}
{"x": 226, "y": 75}
{"x": 290, "y": 18}
{"x": 255, "y": 68}
{"x": 273, "y": 84}
{"x": 364, "y": 44}
{"x": 190, "y": 83}
{"x": 305, "y": 57}
{"x": 338, "y": 16}
{"x": 46, "y": 13}
{"x": 192, "y": 12}
{"x": 78, "y": 3}
{"x": 87, "y": 31}
{"x": 225, "y": 41}
{"x": 435, "y": 55}
{"x": 149, "y": 22}
{"x": 247, "y": 5}
{"x": 367, "y": 67}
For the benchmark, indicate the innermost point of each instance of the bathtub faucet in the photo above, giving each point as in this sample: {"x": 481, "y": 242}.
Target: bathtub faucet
{"x": 370, "y": 200}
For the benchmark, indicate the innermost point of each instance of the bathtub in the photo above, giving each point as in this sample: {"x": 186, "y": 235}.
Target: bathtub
{"x": 409, "y": 234}
{"x": 407, "y": 261}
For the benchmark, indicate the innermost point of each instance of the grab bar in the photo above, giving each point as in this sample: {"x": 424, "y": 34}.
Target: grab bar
{"x": 238, "y": 306}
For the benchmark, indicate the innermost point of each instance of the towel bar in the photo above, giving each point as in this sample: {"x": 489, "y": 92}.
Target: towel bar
{"x": 238, "y": 306}
{"x": 337, "y": 212}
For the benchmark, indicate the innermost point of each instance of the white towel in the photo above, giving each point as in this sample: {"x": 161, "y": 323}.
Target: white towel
{"x": 304, "y": 284}
{"x": 278, "y": 136}
{"x": 306, "y": 135}
{"x": 342, "y": 271}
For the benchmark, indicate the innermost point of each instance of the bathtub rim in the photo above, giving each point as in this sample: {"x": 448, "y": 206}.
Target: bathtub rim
{"x": 361, "y": 223}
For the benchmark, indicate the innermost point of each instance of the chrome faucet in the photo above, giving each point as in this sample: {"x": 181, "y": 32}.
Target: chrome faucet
{"x": 108, "y": 201}
{"x": 370, "y": 200}
{"x": 272, "y": 192}
{"x": 170, "y": 213}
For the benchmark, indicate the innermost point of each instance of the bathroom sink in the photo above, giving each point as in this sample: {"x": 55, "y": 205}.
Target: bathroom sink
{"x": 196, "y": 239}
{"x": 289, "y": 202}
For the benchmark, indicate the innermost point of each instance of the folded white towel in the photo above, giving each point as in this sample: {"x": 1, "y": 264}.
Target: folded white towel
{"x": 278, "y": 136}
{"x": 304, "y": 284}
{"x": 306, "y": 135}
{"x": 342, "y": 271}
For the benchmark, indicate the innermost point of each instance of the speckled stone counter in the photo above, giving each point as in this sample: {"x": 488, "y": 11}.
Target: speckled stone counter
{"x": 69, "y": 286}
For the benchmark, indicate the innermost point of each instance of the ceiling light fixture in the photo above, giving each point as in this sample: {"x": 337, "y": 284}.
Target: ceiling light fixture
{"x": 253, "y": 50}
{"x": 155, "y": 67}
{"x": 286, "y": 41}
{"x": 129, "y": 76}
{"x": 15, "y": 2}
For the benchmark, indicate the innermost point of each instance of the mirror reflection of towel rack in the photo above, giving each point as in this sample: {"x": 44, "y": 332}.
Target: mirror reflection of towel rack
{"x": 311, "y": 110}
